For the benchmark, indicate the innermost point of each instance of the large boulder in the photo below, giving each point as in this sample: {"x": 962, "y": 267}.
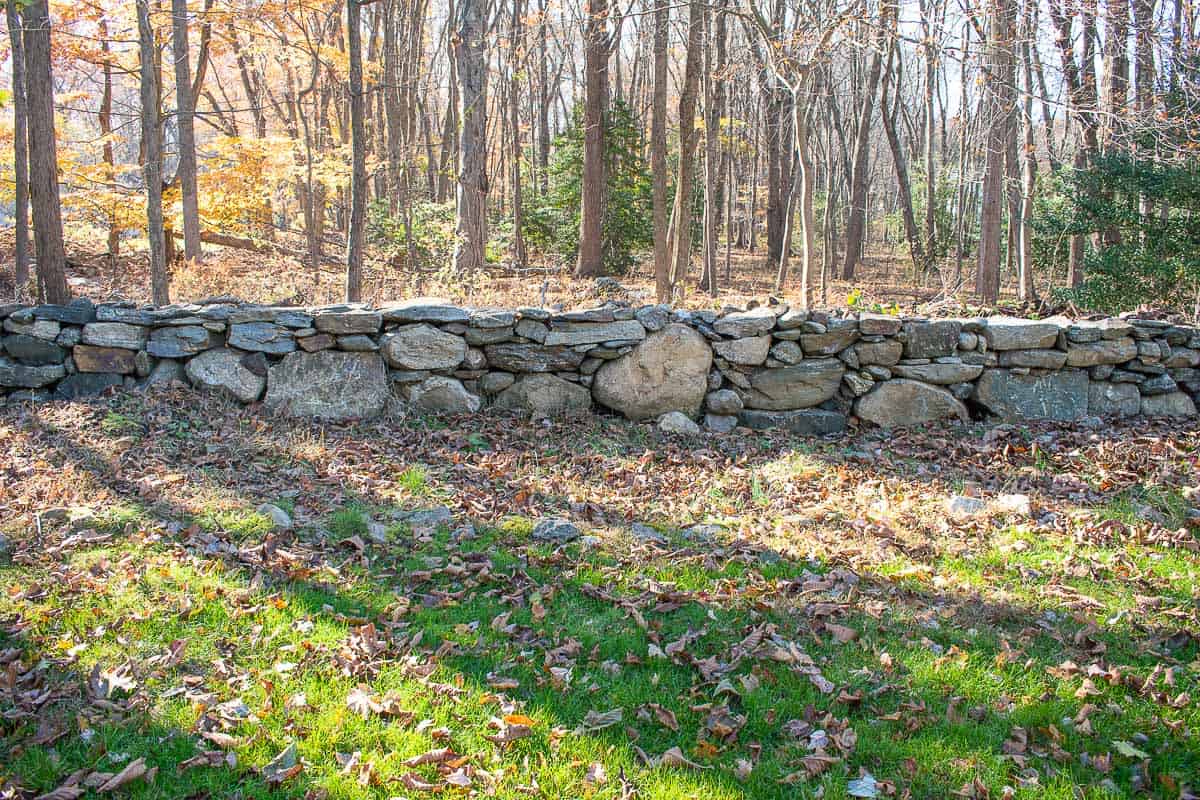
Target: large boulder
{"x": 839, "y": 334}
{"x": 261, "y": 337}
{"x": 25, "y": 376}
{"x": 807, "y": 384}
{"x": 182, "y": 341}
{"x": 901, "y": 402}
{"x": 329, "y": 384}
{"x": 668, "y": 371}
{"x": 1011, "y": 395}
{"x": 740, "y": 324}
{"x": 32, "y": 350}
{"x": 520, "y": 357}
{"x": 1105, "y": 351}
{"x": 545, "y": 396}
{"x": 931, "y": 339}
{"x": 438, "y": 394}
{"x": 115, "y": 334}
{"x": 751, "y": 350}
{"x": 423, "y": 347}
{"x": 222, "y": 370}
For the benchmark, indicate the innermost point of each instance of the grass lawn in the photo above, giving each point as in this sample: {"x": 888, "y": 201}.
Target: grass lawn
{"x": 741, "y": 617}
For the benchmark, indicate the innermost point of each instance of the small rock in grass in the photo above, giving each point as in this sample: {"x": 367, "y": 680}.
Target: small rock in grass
{"x": 377, "y": 532}
{"x": 556, "y": 530}
{"x": 428, "y": 520}
{"x": 962, "y": 507}
{"x": 279, "y": 518}
{"x": 646, "y": 534}
{"x": 678, "y": 423}
{"x": 1015, "y": 504}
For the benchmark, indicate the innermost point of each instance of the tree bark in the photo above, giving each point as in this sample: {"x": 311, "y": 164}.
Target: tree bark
{"x": 471, "y": 60}
{"x": 43, "y": 156}
{"x": 998, "y": 77}
{"x": 681, "y": 246}
{"x": 355, "y": 233}
{"x": 152, "y": 161}
{"x": 105, "y": 119}
{"x": 595, "y": 109}
{"x": 857, "y": 223}
{"x": 658, "y": 153}
{"x": 185, "y": 105}
{"x": 516, "y": 55}
{"x": 20, "y": 148}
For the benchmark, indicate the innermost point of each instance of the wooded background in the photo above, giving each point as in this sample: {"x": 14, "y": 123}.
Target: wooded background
{"x": 1033, "y": 149}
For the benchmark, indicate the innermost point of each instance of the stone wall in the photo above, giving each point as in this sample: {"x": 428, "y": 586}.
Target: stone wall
{"x": 766, "y": 367}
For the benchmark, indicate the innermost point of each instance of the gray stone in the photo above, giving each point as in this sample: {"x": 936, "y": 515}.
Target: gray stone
{"x": 570, "y": 334}
{"x": 555, "y": 530}
{"x": 1182, "y": 357}
{"x": 357, "y": 343}
{"x": 982, "y": 359}
{"x": 261, "y": 337}
{"x": 441, "y": 395}
{"x": 32, "y": 350}
{"x": 960, "y": 507}
{"x": 839, "y": 334}
{"x": 968, "y": 340}
{"x": 666, "y": 372}
{"x": 939, "y": 373}
{"x": 787, "y": 353}
{"x": 330, "y": 384}
{"x": 532, "y": 329}
{"x": 858, "y": 384}
{"x": 86, "y": 384}
{"x": 720, "y": 423}
{"x": 478, "y": 337}
{"x": 878, "y": 373}
{"x": 69, "y": 337}
{"x": 1084, "y": 331}
{"x": 723, "y": 401}
{"x": 1172, "y": 404}
{"x": 474, "y": 359}
{"x": 530, "y": 312}
{"x": 900, "y": 403}
{"x": 78, "y": 312}
{"x": 28, "y": 376}
{"x": 878, "y": 324}
{"x": 750, "y": 351}
{"x": 742, "y": 324}
{"x": 1061, "y": 395}
{"x": 791, "y": 319}
{"x": 344, "y": 323}
{"x": 885, "y": 353}
{"x": 222, "y": 370}
{"x": 544, "y": 396}
{"x": 424, "y": 309}
{"x": 1113, "y": 399}
{"x": 807, "y": 384}
{"x": 115, "y": 334}
{"x": 678, "y": 424}
{"x": 1149, "y": 351}
{"x": 320, "y": 341}
{"x": 1012, "y": 333}
{"x": 179, "y": 342}
{"x": 1035, "y": 359}
{"x": 602, "y": 313}
{"x": 422, "y": 347}
{"x": 125, "y": 314}
{"x": 653, "y": 318}
{"x": 1158, "y": 384}
{"x": 931, "y": 339}
{"x": 103, "y": 359}
{"x": 806, "y": 422}
{"x": 46, "y": 329}
{"x": 143, "y": 363}
{"x": 1106, "y": 351}
{"x": 491, "y": 318}
{"x": 520, "y": 357}
{"x": 166, "y": 371}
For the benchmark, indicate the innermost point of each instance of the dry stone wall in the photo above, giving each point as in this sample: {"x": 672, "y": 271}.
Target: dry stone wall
{"x": 765, "y": 367}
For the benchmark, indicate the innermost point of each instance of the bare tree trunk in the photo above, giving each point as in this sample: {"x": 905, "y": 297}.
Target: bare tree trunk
{"x": 20, "y": 148}
{"x": 595, "y": 112}
{"x": 856, "y": 225}
{"x": 681, "y": 246}
{"x": 1025, "y": 288}
{"x": 152, "y": 163}
{"x": 658, "y": 153}
{"x": 899, "y": 161}
{"x": 997, "y": 87}
{"x": 516, "y": 52}
{"x": 712, "y": 127}
{"x": 471, "y": 60}
{"x": 355, "y": 232}
{"x": 105, "y": 118}
{"x": 931, "y": 59}
{"x": 186, "y": 107}
{"x": 43, "y": 157}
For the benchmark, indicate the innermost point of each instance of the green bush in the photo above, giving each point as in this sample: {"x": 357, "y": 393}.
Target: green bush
{"x": 1146, "y": 212}
{"x": 433, "y": 236}
{"x": 551, "y": 223}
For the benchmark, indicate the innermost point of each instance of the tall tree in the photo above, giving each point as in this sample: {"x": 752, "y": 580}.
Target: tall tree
{"x": 355, "y": 232}
{"x": 856, "y": 224}
{"x": 998, "y": 91}
{"x": 595, "y": 109}
{"x": 43, "y": 156}
{"x": 470, "y": 57}
{"x": 20, "y": 147}
{"x": 185, "y": 105}
{"x": 658, "y": 152}
{"x": 152, "y": 155}
{"x": 681, "y": 243}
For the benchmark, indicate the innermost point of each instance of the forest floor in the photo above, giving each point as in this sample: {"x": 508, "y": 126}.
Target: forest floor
{"x": 740, "y": 617}
{"x": 885, "y": 278}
